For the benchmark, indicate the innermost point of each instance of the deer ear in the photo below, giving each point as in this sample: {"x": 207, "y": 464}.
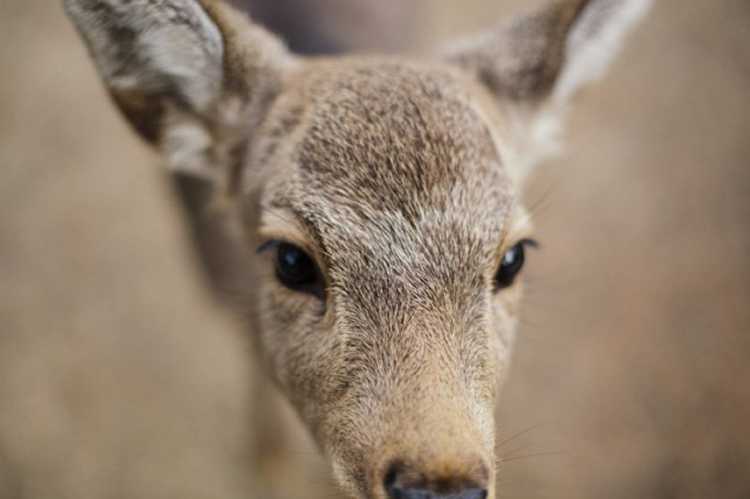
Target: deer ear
{"x": 175, "y": 67}
{"x": 539, "y": 61}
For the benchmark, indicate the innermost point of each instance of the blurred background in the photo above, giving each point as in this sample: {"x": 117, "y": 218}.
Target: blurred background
{"x": 632, "y": 374}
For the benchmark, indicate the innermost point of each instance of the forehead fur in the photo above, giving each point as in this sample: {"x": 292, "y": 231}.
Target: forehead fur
{"x": 387, "y": 153}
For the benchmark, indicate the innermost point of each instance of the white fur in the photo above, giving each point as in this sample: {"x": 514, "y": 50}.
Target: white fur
{"x": 192, "y": 59}
{"x": 186, "y": 146}
{"x": 594, "y": 41}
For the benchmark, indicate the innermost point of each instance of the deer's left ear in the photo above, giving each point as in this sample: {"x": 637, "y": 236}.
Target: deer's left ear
{"x": 184, "y": 73}
{"x": 538, "y": 62}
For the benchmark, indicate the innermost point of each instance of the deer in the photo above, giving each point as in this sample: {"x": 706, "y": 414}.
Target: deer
{"x": 378, "y": 201}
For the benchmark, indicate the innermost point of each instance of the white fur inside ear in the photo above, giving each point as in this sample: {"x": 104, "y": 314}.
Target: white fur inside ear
{"x": 594, "y": 41}
{"x": 192, "y": 57}
{"x": 154, "y": 46}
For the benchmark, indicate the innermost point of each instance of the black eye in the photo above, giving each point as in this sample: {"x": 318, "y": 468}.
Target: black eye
{"x": 296, "y": 270}
{"x": 512, "y": 264}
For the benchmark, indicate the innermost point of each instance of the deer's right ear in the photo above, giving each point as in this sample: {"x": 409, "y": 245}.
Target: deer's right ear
{"x": 182, "y": 71}
{"x": 536, "y": 64}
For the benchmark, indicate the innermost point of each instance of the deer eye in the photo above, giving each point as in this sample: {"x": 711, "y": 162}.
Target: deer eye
{"x": 512, "y": 263}
{"x": 295, "y": 269}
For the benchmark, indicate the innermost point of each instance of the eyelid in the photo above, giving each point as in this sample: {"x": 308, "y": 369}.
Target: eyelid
{"x": 284, "y": 226}
{"x": 268, "y": 246}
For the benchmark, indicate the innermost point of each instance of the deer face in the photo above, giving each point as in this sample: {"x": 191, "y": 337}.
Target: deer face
{"x": 390, "y": 241}
{"x": 381, "y": 199}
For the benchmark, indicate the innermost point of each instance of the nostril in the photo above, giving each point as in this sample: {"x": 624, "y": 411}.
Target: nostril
{"x": 391, "y": 476}
{"x": 472, "y": 494}
{"x": 400, "y": 483}
{"x": 392, "y": 483}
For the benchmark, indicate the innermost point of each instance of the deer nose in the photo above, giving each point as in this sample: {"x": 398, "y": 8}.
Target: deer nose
{"x": 404, "y": 483}
{"x": 398, "y": 493}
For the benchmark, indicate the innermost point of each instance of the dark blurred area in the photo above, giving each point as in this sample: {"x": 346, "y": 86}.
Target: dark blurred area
{"x": 632, "y": 374}
{"x": 314, "y": 27}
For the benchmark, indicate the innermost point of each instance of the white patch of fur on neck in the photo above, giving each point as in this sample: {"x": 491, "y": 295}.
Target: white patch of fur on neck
{"x": 595, "y": 40}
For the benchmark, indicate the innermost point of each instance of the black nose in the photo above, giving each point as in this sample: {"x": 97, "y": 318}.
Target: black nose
{"x": 400, "y": 484}
{"x": 399, "y": 493}
{"x": 426, "y": 494}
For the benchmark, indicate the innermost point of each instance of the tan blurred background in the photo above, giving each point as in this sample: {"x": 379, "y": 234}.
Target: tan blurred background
{"x": 632, "y": 376}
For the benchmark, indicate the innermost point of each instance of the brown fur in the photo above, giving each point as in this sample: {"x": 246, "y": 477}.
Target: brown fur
{"x": 399, "y": 177}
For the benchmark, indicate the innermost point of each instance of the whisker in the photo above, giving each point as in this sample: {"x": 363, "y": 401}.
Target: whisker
{"x": 517, "y": 435}
{"x": 529, "y": 456}
{"x": 543, "y": 202}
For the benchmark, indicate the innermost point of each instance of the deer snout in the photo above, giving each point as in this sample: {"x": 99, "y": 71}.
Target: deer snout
{"x": 405, "y": 482}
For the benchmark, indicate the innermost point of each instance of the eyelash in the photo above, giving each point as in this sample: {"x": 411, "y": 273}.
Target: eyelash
{"x": 530, "y": 243}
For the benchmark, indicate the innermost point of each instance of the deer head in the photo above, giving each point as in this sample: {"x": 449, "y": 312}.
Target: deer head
{"x": 379, "y": 197}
